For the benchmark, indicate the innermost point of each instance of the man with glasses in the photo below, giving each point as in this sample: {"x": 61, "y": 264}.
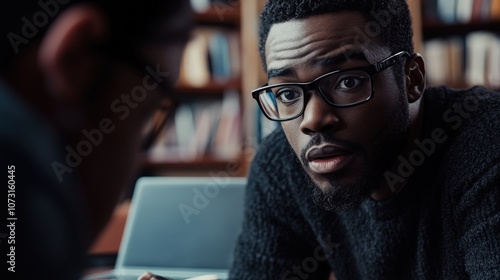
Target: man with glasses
{"x": 370, "y": 175}
{"x": 79, "y": 80}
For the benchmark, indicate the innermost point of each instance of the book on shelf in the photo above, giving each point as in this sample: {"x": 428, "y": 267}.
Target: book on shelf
{"x": 446, "y": 10}
{"x": 212, "y": 55}
{"x": 495, "y": 10}
{"x": 430, "y": 10}
{"x": 493, "y": 64}
{"x": 220, "y": 63}
{"x": 436, "y": 61}
{"x": 465, "y": 61}
{"x": 200, "y": 129}
{"x": 476, "y": 55}
{"x": 464, "y": 9}
{"x": 228, "y": 138}
{"x": 195, "y": 70}
{"x": 481, "y": 10}
{"x": 461, "y": 11}
{"x": 444, "y": 60}
{"x": 200, "y": 6}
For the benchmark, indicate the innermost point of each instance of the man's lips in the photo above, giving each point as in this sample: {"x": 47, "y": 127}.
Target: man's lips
{"x": 328, "y": 158}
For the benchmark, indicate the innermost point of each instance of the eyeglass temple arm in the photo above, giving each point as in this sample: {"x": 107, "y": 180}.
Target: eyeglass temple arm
{"x": 389, "y": 61}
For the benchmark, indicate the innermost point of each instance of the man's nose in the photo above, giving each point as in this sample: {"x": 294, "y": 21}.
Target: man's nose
{"x": 319, "y": 116}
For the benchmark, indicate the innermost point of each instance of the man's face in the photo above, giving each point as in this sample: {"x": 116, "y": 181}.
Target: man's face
{"x": 344, "y": 151}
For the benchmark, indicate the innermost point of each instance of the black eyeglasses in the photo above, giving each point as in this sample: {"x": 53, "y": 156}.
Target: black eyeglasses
{"x": 340, "y": 88}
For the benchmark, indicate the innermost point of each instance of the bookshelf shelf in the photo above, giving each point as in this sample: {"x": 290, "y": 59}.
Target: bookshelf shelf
{"x": 213, "y": 88}
{"x": 203, "y": 166}
{"x": 438, "y": 29}
{"x": 205, "y": 162}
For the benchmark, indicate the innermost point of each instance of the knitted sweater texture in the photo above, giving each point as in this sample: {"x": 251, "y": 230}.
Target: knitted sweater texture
{"x": 444, "y": 224}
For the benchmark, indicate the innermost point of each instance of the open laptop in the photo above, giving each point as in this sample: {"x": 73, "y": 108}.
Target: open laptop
{"x": 180, "y": 227}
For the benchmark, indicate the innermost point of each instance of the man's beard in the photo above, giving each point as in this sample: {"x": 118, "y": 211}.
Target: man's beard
{"x": 386, "y": 146}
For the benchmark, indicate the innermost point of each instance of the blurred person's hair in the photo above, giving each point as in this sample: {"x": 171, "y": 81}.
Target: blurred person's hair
{"x": 23, "y": 22}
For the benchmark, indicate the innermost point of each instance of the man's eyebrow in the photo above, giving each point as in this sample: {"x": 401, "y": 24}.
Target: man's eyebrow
{"x": 280, "y": 72}
{"x": 341, "y": 58}
{"x": 325, "y": 62}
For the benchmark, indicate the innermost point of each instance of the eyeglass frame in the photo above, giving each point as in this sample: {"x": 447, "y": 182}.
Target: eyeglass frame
{"x": 313, "y": 85}
{"x": 132, "y": 57}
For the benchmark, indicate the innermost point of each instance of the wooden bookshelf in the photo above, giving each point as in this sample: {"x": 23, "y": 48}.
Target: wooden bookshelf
{"x": 204, "y": 166}
{"x": 459, "y": 52}
{"x": 226, "y": 18}
{"x": 433, "y": 29}
{"x": 212, "y": 89}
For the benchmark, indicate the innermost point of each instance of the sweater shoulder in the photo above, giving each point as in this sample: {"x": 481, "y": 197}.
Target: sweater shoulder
{"x": 470, "y": 119}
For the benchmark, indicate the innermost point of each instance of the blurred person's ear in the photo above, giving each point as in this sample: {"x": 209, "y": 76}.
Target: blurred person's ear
{"x": 67, "y": 58}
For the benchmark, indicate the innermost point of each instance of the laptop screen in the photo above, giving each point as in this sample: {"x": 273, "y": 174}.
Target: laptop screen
{"x": 183, "y": 223}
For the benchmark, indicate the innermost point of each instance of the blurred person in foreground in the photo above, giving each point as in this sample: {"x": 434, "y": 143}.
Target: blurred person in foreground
{"x": 79, "y": 79}
{"x": 370, "y": 175}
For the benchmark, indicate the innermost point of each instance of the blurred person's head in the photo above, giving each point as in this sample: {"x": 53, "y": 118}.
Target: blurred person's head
{"x": 95, "y": 70}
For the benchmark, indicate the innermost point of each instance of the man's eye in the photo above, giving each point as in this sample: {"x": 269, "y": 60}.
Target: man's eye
{"x": 287, "y": 95}
{"x": 349, "y": 82}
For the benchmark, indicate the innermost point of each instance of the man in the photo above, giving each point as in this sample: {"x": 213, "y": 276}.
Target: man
{"x": 371, "y": 175}
{"x": 79, "y": 79}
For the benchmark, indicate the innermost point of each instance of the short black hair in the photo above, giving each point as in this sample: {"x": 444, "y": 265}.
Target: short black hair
{"x": 130, "y": 21}
{"x": 392, "y": 17}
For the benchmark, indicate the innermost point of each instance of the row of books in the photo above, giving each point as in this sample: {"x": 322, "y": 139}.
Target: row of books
{"x": 473, "y": 59}
{"x": 211, "y": 55}
{"x": 461, "y": 11}
{"x": 205, "y": 128}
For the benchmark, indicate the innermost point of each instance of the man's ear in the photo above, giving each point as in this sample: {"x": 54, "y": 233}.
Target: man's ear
{"x": 66, "y": 57}
{"x": 415, "y": 77}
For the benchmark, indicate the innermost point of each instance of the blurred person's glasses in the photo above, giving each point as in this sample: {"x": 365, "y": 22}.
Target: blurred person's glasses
{"x": 340, "y": 88}
{"x": 141, "y": 60}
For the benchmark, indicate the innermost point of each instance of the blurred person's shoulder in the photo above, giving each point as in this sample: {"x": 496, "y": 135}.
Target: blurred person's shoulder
{"x": 49, "y": 224}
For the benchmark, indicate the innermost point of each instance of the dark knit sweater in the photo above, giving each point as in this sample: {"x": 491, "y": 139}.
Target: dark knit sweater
{"x": 444, "y": 224}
